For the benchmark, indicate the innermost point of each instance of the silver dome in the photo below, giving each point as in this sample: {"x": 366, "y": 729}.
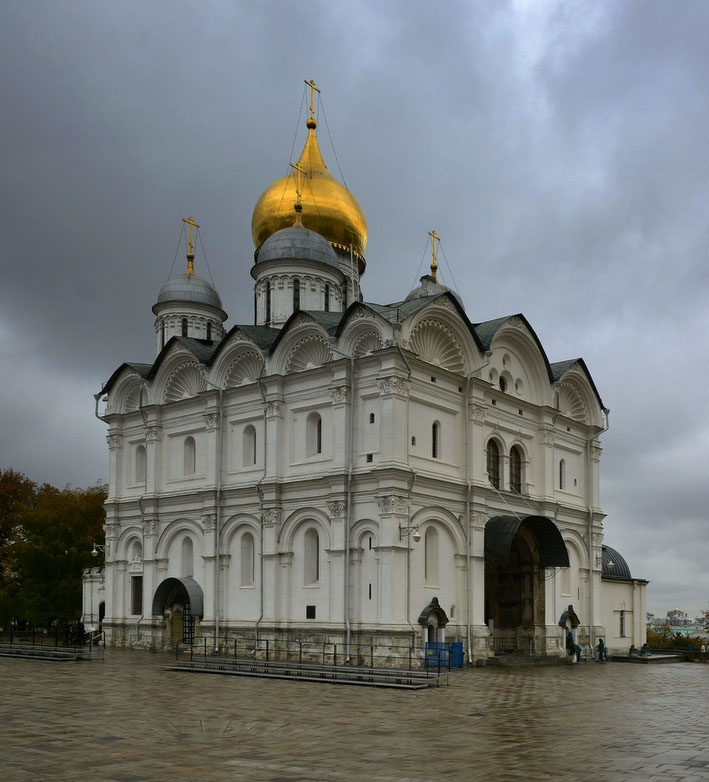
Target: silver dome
{"x": 297, "y": 243}
{"x": 429, "y": 287}
{"x": 190, "y": 288}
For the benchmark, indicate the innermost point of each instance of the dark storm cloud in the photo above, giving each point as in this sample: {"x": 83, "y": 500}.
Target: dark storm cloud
{"x": 558, "y": 148}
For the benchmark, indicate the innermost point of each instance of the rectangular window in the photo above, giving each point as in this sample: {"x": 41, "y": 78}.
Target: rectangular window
{"x": 310, "y": 612}
{"x": 622, "y": 624}
{"x": 296, "y": 294}
{"x": 136, "y": 595}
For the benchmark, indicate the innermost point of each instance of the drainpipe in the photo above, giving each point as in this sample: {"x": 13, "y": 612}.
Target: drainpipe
{"x": 218, "y": 508}
{"x": 589, "y": 490}
{"x": 348, "y": 511}
{"x": 259, "y": 491}
{"x": 468, "y": 502}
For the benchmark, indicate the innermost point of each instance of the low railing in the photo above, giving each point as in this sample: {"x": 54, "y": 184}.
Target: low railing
{"x": 322, "y": 653}
{"x": 88, "y": 644}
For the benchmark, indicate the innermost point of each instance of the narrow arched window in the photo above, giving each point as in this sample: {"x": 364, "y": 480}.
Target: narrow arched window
{"x": 162, "y": 334}
{"x": 209, "y": 331}
{"x": 516, "y": 469}
{"x": 249, "y": 451}
{"x": 327, "y": 298}
{"x": 562, "y": 474}
{"x": 268, "y": 303}
{"x": 344, "y": 297}
{"x": 312, "y": 557}
{"x": 430, "y": 557}
{"x": 313, "y": 435}
{"x": 184, "y": 327}
{"x": 296, "y": 294}
{"x": 187, "y": 557}
{"x": 190, "y": 456}
{"x": 436, "y": 440}
{"x": 493, "y": 464}
{"x": 247, "y": 559}
{"x": 140, "y": 464}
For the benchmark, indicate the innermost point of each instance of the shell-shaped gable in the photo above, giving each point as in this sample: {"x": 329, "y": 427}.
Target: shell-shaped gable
{"x": 313, "y": 350}
{"x": 434, "y": 342}
{"x": 183, "y": 382}
{"x": 244, "y": 368}
{"x": 363, "y": 331}
{"x": 578, "y": 398}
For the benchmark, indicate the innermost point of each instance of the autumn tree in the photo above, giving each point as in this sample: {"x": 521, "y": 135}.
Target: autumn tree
{"x": 50, "y": 533}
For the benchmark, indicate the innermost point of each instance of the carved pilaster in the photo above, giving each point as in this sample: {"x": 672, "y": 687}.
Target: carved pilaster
{"x": 339, "y": 394}
{"x": 153, "y": 433}
{"x": 209, "y": 522}
{"x": 477, "y": 412}
{"x": 271, "y": 516}
{"x": 392, "y": 503}
{"x": 211, "y": 421}
{"x": 393, "y": 385}
{"x": 273, "y": 409}
{"x": 548, "y": 435}
{"x": 115, "y": 441}
{"x": 336, "y": 508}
{"x": 150, "y": 525}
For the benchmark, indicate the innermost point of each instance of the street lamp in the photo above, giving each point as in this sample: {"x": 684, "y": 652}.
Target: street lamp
{"x": 98, "y": 547}
{"x": 412, "y": 530}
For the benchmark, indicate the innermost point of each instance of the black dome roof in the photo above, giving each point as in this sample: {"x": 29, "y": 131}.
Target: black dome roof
{"x": 614, "y": 566}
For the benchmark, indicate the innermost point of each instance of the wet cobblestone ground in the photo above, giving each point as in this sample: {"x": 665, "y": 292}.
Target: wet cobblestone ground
{"x": 125, "y": 719}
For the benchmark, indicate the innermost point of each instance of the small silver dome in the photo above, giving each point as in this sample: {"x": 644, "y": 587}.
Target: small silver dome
{"x": 189, "y": 287}
{"x": 429, "y": 287}
{"x": 297, "y": 243}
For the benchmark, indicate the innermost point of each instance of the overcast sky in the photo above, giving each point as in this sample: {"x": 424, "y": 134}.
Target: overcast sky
{"x": 559, "y": 148}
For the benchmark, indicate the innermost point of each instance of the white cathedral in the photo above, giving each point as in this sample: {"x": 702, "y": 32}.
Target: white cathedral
{"x": 351, "y": 472}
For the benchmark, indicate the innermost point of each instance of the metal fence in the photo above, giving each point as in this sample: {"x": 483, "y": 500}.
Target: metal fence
{"x": 322, "y": 653}
{"x": 89, "y": 645}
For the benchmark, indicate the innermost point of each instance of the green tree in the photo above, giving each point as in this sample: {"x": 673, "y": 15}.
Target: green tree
{"x": 47, "y": 548}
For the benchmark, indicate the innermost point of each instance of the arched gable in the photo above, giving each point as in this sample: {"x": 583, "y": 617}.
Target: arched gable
{"x": 238, "y": 361}
{"x": 518, "y": 364}
{"x": 296, "y": 520}
{"x": 578, "y": 398}
{"x": 362, "y": 331}
{"x": 125, "y": 395}
{"x": 439, "y": 335}
{"x": 303, "y": 345}
{"x": 176, "y": 374}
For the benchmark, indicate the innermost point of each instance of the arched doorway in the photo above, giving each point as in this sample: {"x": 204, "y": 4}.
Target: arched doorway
{"x": 433, "y": 620}
{"x": 180, "y": 602}
{"x": 517, "y": 551}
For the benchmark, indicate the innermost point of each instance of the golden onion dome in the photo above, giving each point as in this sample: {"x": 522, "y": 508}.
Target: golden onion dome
{"x": 328, "y": 207}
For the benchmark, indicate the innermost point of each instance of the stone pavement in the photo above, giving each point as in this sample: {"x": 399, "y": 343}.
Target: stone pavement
{"x": 124, "y": 719}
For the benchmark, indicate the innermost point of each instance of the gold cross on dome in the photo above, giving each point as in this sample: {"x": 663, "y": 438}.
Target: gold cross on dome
{"x": 313, "y": 90}
{"x": 190, "y": 244}
{"x": 434, "y": 265}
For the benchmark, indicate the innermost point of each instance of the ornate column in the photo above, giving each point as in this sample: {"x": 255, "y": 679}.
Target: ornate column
{"x": 273, "y": 584}
{"x": 393, "y": 559}
{"x": 336, "y": 510}
{"x": 209, "y": 525}
{"x": 150, "y": 540}
{"x": 274, "y": 436}
{"x": 153, "y": 455}
{"x": 114, "y": 439}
